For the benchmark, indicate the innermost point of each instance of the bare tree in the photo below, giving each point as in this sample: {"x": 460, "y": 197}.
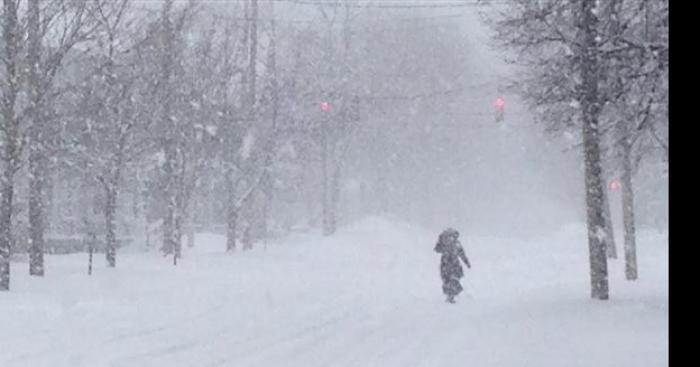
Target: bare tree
{"x": 590, "y": 106}
{"x": 10, "y": 133}
{"x": 170, "y": 53}
{"x": 546, "y": 41}
{"x": 73, "y": 22}
{"x": 639, "y": 54}
{"x": 107, "y": 112}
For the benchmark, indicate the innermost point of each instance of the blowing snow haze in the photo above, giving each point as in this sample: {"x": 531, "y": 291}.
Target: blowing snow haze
{"x": 306, "y": 182}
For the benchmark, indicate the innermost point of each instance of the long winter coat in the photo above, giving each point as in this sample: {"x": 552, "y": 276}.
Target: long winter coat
{"x": 450, "y": 267}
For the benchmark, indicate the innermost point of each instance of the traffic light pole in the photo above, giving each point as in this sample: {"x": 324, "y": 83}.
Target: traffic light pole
{"x": 324, "y": 171}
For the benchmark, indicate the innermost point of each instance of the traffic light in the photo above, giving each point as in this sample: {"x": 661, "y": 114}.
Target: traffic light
{"x": 614, "y": 185}
{"x": 500, "y": 105}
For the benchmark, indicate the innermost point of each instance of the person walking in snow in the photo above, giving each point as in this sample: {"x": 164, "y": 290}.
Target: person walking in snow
{"x": 451, "y": 270}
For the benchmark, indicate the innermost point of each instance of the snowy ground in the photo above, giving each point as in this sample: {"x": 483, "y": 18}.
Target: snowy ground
{"x": 369, "y": 296}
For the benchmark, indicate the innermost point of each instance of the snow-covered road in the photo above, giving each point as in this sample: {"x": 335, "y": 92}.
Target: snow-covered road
{"x": 369, "y": 296}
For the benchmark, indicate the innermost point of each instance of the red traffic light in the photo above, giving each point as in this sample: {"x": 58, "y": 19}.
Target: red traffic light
{"x": 614, "y": 185}
{"x": 500, "y": 103}
{"x": 325, "y": 106}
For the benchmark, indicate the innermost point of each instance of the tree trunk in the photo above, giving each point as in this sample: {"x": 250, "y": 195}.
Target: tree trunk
{"x": 591, "y": 141}
{"x": 190, "y": 225}
{"x": 36, "y": 212}
{"x": 253, "y": 54}
{"x": 267, "y": 183}
{"x": 179, "y": 222}
{"x": 190, "y": 235}
{"x": 334, "y": 198}
{"x": 231, "y": 230}
{"x": 6, "y": 226}
{"x": 10, "y": 140}
{"x": 91, "y": 241}
{"x": 231, "y": 219}
{"x": 324, "y": 176}
{"x": 628, "y": 214}
{"x": 611, "y": 249}
{"x": 36, "y": 171}
{"x": 231, "y": 213}
{"x": 267, "y": 202}
{"x": 252, "y": 99}
{"x": 169, "y": 143}
{"x": 110, "y": 237}
{"x": 171, "y": 205}
{"x": 246, "y": 238}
